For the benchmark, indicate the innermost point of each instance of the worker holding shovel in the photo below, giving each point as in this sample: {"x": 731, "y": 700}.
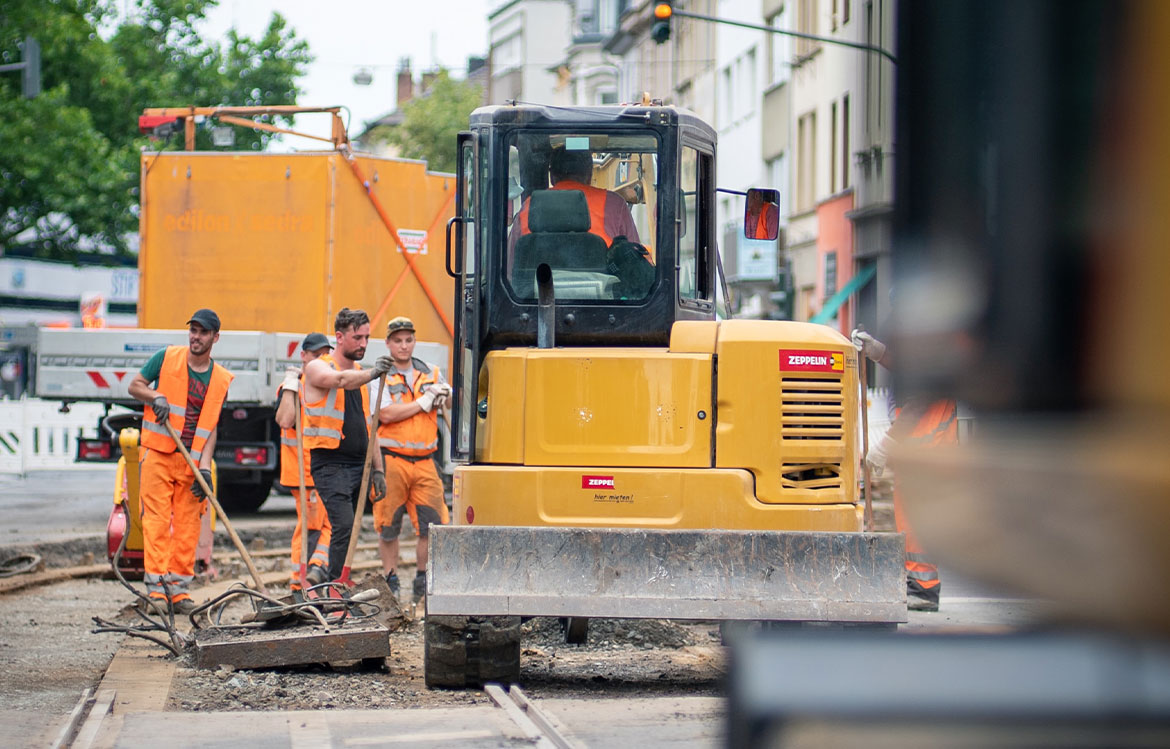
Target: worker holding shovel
{"x": 337, "y": 433}
{"x": 184, "y": 388}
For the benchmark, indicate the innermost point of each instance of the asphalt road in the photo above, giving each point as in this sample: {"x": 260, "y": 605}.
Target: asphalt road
{"x": 48, "y": 506}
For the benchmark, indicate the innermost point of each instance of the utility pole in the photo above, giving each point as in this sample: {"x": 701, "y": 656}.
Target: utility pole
{"x": 30, "y": 68}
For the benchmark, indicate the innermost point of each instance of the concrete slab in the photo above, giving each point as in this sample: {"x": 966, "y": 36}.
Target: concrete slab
{"x": 292, "y": 646}
{"x": 644, "y": 723}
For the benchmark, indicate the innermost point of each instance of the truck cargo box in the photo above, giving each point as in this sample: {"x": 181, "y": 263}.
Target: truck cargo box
{"x": 281, "y": 242}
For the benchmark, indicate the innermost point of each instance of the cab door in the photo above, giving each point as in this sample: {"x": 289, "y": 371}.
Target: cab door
{"x": 463, "y": 241}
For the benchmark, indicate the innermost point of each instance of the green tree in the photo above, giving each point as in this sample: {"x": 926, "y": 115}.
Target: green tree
{"x": 431, "y": 122}
{"x": 69, "y": 158}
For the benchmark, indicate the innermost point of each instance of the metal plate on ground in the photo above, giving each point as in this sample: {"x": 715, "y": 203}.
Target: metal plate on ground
{"x": 669, "y": 574}
{"x": 290, "y": 647}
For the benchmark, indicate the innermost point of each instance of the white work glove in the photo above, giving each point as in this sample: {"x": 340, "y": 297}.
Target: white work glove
{"x": 427, "y": 400}
{"x": 441, "y": 392}
{"x": 872, "y": 348}
{"x": 878, "y": 454}
{"x": 292, "y": 379}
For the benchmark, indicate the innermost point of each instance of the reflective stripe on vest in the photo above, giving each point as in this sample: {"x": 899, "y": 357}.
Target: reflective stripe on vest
{"x": 325, "y": 418}
{"x": 595, "y": 198}
{"x": 419, "y": 434}
{"x": 172, "y": 385}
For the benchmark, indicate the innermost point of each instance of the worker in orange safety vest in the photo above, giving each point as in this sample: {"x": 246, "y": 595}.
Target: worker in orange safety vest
{"x": 291, "y": 396}
{"x": 928, "y": 424}
{"x": 408, "y": 436}
{"x": 336, "y": 429}
{"x": 183, "y": 386}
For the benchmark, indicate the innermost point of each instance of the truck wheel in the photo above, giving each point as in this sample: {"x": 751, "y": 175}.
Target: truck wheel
{"x": 243, "y": 498}
{"x": 469, "y": 651}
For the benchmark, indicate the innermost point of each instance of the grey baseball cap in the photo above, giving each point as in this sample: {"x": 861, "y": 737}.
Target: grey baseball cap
{"x": 315, "y": 342}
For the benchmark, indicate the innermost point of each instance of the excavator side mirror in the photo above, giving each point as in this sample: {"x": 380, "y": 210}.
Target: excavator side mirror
{"x": 761, "y": 215}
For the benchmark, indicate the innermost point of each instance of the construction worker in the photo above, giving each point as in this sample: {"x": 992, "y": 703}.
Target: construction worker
{"x": 185, "y": 388}
{"x": 336, "y": 432}
{"x": 762, "y": 219}
{"x": 927, "y": 424}
{"x": 408, "y": 436}
{"x": 609, "y": 213}
{"x": 290, "y": 396}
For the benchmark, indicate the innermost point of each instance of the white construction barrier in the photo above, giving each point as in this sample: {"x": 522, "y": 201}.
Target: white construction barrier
{"x": 36, "y": 436}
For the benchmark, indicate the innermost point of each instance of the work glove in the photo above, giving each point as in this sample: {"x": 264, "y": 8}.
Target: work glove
{"x": 382, "y": 365}
{"x": 196, "y": 489}
{"x": 161, "y": 408}
{"x": 426, "y": 401}
{"x": 872, "y": 348}
{"x": 878, "y": 454}
{"x": 292, "y": 380}
{"x": 442, "y": 393}
{"x": 377, "y": 486}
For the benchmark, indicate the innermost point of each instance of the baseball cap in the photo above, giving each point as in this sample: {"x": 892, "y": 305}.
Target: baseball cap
{"x": 315, "y": 341}
{"x": 399, "y": 323}
{"x": 207, "y": 319}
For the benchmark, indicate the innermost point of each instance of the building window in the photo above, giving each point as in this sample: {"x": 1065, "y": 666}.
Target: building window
{"x": 728, "y": 96}
{"x": 830, "y": 273}
{"x": 609, "y": 97}
{"x": 778, "y": 179}
{"x": 845, "y": 11}
{"x": 507, "y": 54}
{"x": 845, "y": 143}
{"x": 806, "y": 23}
{"x": 806, "y": 152}
{"x": 833, "y": 148}
{"x": 779, "y": 49}
{"x": 751, "y": 91}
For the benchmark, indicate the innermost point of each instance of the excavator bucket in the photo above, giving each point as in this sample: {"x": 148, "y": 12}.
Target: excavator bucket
{"x": 668, "y": 574}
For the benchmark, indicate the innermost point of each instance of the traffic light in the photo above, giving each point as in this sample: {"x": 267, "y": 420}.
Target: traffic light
{"x": 660, "y": 31}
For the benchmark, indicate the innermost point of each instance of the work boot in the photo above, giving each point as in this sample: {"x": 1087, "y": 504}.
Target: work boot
{"x": 153, "y": 606}
{"x": 298, "y": 595}
{"x": 392, "y": 583}
{"x": 316, "y": 574}
{"x": 183, "y": 606}
{"x": 919, "y": 598}
{"x": 420, "y": 585}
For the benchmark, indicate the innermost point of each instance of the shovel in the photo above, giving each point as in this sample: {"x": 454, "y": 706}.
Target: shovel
{"x": 218, "y": 508}
{"x": 365, "y": 486}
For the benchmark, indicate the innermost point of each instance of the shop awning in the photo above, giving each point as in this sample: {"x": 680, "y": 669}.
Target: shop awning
{"x": 829, "y": 311}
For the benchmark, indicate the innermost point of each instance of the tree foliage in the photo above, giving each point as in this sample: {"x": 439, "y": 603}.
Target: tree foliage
{"x": 431, "y": 122}
{"x": 69, "y": 158}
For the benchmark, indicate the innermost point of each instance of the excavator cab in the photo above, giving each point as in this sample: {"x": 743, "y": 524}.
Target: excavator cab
{"x": 616, "y": 201}
{"x": 622, "y": 453}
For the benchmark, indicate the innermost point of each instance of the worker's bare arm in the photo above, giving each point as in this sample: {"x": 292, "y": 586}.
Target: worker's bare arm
{"x": 286, "y": 409}
{"x": 140, "y": 389}
{"x": 320, "y": 375}
{"x": 396, "y": 412}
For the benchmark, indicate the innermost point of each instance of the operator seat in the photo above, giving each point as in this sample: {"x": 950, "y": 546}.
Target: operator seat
{"x": 558, "y": 223}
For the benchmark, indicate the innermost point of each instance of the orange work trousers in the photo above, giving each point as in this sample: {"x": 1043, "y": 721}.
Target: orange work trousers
{"x": 936, "y": 427}
{"x": 170, "y": 523}
{"x": 320, "y": 533}
{"x": 414, "y": 488}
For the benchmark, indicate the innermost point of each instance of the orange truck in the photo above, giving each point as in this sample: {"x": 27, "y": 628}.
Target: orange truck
{"x": 276, "y": 244}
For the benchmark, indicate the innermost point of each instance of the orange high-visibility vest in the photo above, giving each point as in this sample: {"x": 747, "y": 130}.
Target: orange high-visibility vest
{"x": 172, "y": 385}
{"x": 288, "y": 447}
{"x": 938, "y": 426}
{"x": 594, "y": 196}
{"x": 325, "y": 418}
{"x": 418, "y": 435}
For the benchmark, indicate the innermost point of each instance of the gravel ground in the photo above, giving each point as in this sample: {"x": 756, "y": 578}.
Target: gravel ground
{"x": 622, "y": 657}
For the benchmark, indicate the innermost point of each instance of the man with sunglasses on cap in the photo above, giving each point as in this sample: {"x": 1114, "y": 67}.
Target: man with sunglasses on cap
{"x": 408, "y": 436}
{"x": 183, "y": 387}
{"x": 290, "y": 396}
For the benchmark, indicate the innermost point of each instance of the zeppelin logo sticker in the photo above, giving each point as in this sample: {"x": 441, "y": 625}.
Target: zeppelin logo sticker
{"x": 811, "y": 361}
{"x": 597, "y": 482}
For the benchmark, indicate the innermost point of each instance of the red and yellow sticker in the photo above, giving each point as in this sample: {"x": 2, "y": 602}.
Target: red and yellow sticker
{"x": 799, "y": 360}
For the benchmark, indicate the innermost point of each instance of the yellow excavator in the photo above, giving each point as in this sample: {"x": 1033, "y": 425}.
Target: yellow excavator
{"x": 623, "y": 453}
